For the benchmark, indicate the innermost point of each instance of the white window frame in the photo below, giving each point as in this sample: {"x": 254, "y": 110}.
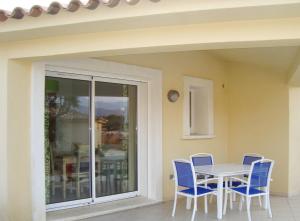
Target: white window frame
{"x": 150, "y": 185}
{"x": 189, "y": 84}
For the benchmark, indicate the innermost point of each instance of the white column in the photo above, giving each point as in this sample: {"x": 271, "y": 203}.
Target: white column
{"x": 37, "y": 142}
{"x": 3, "y": 138}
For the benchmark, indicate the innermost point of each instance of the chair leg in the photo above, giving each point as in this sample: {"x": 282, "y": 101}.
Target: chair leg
{"x": 174, "y": 205}
{"x": 205, "y": 198}
{"x": 195, "y": 208}
{"x": 210, "y": 199}
{"x": 225, "y": 202}
{"x": 234, "y": 197}
{"x": 269, "y": 206}
{"x": 241, "y": 203}
{"x": 231, "y": 196}
{"x": 188, "y": 203}
{"x": 205, "y": 204}
{"x": 259, "y": 200}
{"x": 248, "y": 202}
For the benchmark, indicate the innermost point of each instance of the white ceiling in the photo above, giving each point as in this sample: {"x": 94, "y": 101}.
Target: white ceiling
{"x": 280, "y": 58}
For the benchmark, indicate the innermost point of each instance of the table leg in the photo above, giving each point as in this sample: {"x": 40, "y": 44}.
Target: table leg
{"x": 220, "y": 197}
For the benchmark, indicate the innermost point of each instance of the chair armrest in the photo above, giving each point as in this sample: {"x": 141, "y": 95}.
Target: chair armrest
{"x": 239, "y": 179}
{"x": 206, "y": 180}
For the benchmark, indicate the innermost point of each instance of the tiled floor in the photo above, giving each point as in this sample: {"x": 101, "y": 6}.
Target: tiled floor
{"x": 283, "y": 210}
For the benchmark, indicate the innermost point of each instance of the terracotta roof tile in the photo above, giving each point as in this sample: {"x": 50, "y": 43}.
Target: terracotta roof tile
{"x": 55, "y": 7}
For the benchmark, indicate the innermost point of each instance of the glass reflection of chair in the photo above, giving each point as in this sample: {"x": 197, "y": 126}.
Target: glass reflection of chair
{"x": 56, "y": 178}
{"x": 112, "y": 176}
{"x": 121, "y": 176}
{"x": 105, "y": 172}
{"x": 82, "y": 174}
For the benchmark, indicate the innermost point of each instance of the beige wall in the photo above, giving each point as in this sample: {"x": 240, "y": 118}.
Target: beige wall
{"x": 3, "y": 138}
{"x": 259, "y": 118}
{"x": 18, "y": 137}
{"x": 174, "y": 66}
{"x": 294, "y": 153}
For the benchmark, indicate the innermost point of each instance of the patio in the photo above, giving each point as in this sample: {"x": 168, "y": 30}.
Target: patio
{"x": 283, "y": 209}
{"x": 97, "y": 98}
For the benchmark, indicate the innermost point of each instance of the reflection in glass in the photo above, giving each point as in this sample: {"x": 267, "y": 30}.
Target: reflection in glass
{"x": 115, "y": 138}
{"x": 67, "y": 140}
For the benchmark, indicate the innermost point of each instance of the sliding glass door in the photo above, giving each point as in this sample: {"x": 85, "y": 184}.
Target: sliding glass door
{"x": 115, "y": 138}
{"x": 90, "y": 139}
{"x": 67, "y": 140}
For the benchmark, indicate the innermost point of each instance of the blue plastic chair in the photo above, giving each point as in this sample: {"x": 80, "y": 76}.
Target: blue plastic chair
{"x": 204, "y": 159}
{"x": 258, "y": 184}
{"x": 248, "y": 159}
{"x": 186, "y": 184}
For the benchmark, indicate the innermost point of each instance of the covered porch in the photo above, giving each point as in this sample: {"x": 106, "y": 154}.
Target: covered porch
{"x": 253, "y": 63}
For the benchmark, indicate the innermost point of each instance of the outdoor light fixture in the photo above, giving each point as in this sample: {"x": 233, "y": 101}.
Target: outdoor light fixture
{"x": 173, "y": 95}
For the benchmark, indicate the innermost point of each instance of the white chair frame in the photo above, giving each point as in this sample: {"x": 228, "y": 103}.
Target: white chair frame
{"x": 192, "y": 197}
{"x": 248, "y": 196}
{"x": 206, "y": 176}
{"x": 230, "y": 180}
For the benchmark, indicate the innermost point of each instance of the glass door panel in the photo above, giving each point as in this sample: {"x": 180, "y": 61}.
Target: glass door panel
{"x": 115, "y": 138}
{"x": 67, "y": 140}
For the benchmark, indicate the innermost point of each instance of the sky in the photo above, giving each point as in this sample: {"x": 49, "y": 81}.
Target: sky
{"x": 11, "y": 4}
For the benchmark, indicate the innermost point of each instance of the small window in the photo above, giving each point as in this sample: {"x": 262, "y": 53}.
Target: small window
{"x": 198, "y": 108}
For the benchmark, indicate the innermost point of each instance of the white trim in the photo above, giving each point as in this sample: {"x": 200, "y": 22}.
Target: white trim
{"x": 37, "y": 142}
{"x": 55, "y": 72}
{"x": 68, "y": 204}
{"x": 191, "y": 84}
{"x": 92, "y": 138}
{"x": 110, "y": 70}
{"x": 194, "y": 137}
{"x": 115, "y": 197}
{"x": 142, "y": 129}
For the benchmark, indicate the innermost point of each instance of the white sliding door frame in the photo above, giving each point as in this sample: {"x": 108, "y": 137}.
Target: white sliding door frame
{"x": 139, "y": 107}
{"x": 149, "y": 83}
{"x": 78, "y": 202}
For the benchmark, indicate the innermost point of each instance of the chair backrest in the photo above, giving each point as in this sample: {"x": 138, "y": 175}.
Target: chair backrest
{"x": 202, "y": 159}
{"x": 249, "y": 158}
{"x": 184, "y": 173}
{"x": 83, "y": 158}
{"x": 260, "y": 174}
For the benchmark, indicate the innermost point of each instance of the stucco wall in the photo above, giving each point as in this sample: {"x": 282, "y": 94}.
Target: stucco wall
{"x": 251, "y": 112}
{"x": 294, "y": 152}
{"x": 251, "y": 115}
{"x": 18, "y": 138}
{"x": 259, "y": 118}
{"x": 3, "y": 137}
{"x": 174, "y": 66}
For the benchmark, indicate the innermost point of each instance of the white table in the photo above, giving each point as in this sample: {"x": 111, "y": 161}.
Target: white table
{"x": 220, "y": 171}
